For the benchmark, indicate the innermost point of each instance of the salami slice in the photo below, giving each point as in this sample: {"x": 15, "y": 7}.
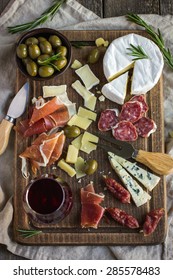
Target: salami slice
{"x": 131, "y": 111}
{"x": 145, "y": 126}
{"x": 108, "y": 119}
{"x": 140, "y": 98}
{"x": 123, "y": 218}
{"x": 125, "y": 131}
{"x": 151, "y": 221}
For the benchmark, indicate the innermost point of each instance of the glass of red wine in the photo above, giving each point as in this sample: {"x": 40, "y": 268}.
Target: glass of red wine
{"x": 47, "y": 199}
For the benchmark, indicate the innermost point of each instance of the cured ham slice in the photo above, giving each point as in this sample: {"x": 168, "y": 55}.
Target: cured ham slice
{"x": 47, "y": 115}
{"x": 46, "y": 109}
{"x": 91, "y": 215}
{"x": 92, "y": 212}
{"x": 45, "y": 149}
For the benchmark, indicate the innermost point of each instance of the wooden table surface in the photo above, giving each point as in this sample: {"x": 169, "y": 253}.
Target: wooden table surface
{"x": 106, "y": 8}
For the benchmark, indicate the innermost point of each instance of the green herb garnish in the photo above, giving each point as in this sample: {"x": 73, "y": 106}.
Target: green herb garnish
{"x": 26, "y": 233}
{"x": 49, "y": 60}
{"x": 49, "y": 13}
{"x": 137, "y": 52}
{"x": 80, "y": 44}
{"x": 156, "y": 37}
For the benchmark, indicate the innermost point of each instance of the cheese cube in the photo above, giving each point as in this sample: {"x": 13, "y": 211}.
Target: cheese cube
{"x": 76, "y": 64}
{"x": 87, "y": 76}
{"x": 79, "y": 167}
{"x": 89, "y": 137}
{"x": 88, "y": 147}
{"x": 82, "y": 112}
{"x": 72, "y": 154}
{"x": 67, "y": 168}
{"x": 80, "y": 122}
{"x": 90, "y": 103}
{"x": 77, "y": 141}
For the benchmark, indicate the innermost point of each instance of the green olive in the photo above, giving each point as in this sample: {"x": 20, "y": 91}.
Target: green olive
{"x": 26, "y": 60}
{"x": 46, "y": 71}
{"x": 42, "y": 58}
{"x": 31, "y": 41}
{"x": 62, "y": 50}
{"x": 90, "y": 166}
{"x": 46, "y": 47}
{"x": 31, "y": 68}
{"x": 61, "y": 62}
{"x": 22, "y": 51}
{"x": 71, "y": 131}
{"x": 41, "y": 39}
{"x": 55, "y": 41}
{"x": 34, "y": 51}
{"x": 93, "y": 56}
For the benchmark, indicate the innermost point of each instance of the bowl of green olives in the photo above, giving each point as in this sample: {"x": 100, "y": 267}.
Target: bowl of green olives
{"x": 43, "y": 54}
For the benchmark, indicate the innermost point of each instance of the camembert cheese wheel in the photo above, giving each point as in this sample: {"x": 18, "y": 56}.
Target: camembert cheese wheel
{"x": 146, "y": 72}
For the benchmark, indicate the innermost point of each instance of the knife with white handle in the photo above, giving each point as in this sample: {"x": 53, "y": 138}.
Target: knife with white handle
{"x": 16, "y": 109}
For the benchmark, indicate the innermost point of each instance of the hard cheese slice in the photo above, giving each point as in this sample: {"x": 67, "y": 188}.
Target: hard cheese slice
{"x": 50, "y": 91}
{"x": 116, "y": 89}
{"x": 89, "y": 98}
{"x": 147, "y": 72}
{"x": 80, "y": 122}
{"x": 139, "y": 196}
{"x": 87, "y": 76}
{"x": 147, "y": 179}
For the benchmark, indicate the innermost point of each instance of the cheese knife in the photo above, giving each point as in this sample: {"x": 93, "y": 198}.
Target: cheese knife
{"x": 160, "y": 163}
{"x": 16, "y": 109}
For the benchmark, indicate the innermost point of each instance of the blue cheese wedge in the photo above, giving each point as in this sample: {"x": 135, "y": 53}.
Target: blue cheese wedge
{"x": 87, "y": 76}
{"x": 116, "y": 89}
{"x": 139, "y": 196}
{"x": 147, "y": 179}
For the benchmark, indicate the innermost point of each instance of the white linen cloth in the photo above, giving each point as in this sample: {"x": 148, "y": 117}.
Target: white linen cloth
{"x": 72, "y": 15}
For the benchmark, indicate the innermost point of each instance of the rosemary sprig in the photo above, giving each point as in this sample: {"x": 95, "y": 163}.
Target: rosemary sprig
{"x": 49, "y": 13}
{"x": 156, "y": 37}
{"x": 49, "y": 60}
{"x": 26, "y": 233}
{"x": 80, "y": 44}
{"x": 137, "y": 52}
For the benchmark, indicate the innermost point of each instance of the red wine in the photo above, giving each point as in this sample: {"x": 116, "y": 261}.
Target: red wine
{"x": 45, "y": 196}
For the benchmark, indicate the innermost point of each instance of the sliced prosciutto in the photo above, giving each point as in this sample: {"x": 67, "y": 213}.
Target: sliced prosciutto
{"x": 125, "y": 131}
{"x": 92, "y": 212}
{"x": 44, "y": 150}
{"x": 46, "y": 116}
{"x": 145, "y": 126}
{"x": 108, "y": 119}
{"x": 45, "y": 109}
{"x": 131, "y": 111}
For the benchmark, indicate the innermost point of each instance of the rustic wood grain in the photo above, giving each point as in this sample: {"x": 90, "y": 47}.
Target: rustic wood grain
{"x": 116, "y": 8}
{"x": 94, "y": 6}
{"x": 69, "y": 231}
{"x": 165, "y": 7}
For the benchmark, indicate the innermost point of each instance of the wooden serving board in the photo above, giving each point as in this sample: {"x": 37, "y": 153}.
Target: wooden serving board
{"x": 69, "y": 231}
